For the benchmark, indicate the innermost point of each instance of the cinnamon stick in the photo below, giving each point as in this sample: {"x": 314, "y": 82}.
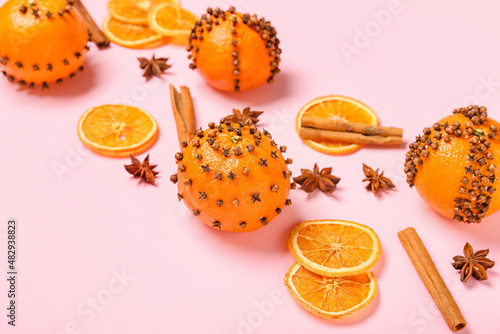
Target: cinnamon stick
{"x": 339, "y": 124}
{"x": 349, "y": 137}
{"x": 429, "y": 275}
{"x": 182, "y": 107}
{"x": 96, "y": 35}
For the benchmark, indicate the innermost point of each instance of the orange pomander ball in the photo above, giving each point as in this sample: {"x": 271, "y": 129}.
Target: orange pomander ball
{"x": 233, "y": 51}
{"x": 454, "y": 165}
{"x": 233, "y": 177}
{"x": 41, "y": 41}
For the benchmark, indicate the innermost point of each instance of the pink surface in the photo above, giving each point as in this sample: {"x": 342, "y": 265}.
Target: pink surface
{"x": 79, "y": 230}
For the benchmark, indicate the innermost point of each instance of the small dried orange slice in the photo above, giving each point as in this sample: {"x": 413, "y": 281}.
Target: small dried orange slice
{"x": 170, "y": 20}
{"x": 117, "y": 130}
{"x": 131, "y": 35}
{"x": 330, "y": 297}
{"x": 334, "y": 248}
{"x": 164, "y": 19}
{"x": 335, "y": 106}
{"x": 134, "y": 11}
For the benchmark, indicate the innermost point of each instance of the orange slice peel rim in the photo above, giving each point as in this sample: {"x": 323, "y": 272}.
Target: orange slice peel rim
{"x": 134, "y": 11}
{"x": 337, "y": 281}
{"x": 118, "y": 152}
{"x": 321, "y": 269}
{"x": 112, "y": 7}
{"x": 181, "y": 29}
{"x": 144, "y": 42}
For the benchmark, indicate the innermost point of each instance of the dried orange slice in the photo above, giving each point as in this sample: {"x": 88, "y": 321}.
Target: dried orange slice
{"x": 134, "y": 11}
{"x": 334, "y": 247}
{"x": 117, "y": 130}
{"x": 164, "y": 19}
{"x": 131, "y": 35}
{"x": 335, "y": 106}
{"x": 330, "y": 297}
{"x": 169, "y": 20}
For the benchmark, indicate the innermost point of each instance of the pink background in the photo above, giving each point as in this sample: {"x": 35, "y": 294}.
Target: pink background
{"x": 78, "y": 230}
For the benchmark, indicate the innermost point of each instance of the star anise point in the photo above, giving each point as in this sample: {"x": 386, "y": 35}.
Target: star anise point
{"x": 154, "y": 66}
{"x": 324, "y": 180}
{"x": 376, "y": 181}
{"x": 239, "y": 116}
{"x": 472, "y": 264}
{"x": 143, "y": 170}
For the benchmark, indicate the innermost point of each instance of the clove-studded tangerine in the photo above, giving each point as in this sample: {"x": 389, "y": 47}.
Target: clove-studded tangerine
{"x": 233, "y": 177}
{"x": 454, "y": 165}
{"x": 41, "y": 41}
{"x": 234, "y": 51}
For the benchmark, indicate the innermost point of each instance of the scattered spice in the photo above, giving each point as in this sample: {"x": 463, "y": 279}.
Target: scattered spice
{"x": 239, "y": 116}
{"x": 376, "y": 181}
{"x": 324, "y": 180}
{"x": 143, "y": 170}
{"x": 473, "y": 263}
{"x": 154, "y": 66}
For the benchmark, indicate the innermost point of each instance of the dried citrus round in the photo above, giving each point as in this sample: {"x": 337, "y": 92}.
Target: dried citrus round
{"x": 334, "y": 247}
{"x": 41, "y": 43}
{"x": 330, "y": 297}
{"x": 233, "y": 177}
{"x": 164, "y": 18}
{"x": 117, "y": 130}
{"x": 233, "y": 51}
{"x": 454, "y": 163}
{"x": 170, "y": 20}
{"x": 335, "y": 106}
{"x": 135, "y": 11}
{"x": 132, "y": 35}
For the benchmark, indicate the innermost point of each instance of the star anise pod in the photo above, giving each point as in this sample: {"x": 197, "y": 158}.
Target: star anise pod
{"x": 153, "y": 67}
{"x": 324, "y": 180}
{"x": 474, "y": 264}
{"x": 239, "y": 116}
{"x": 376, "y": 181}
{"x": 143, "y": 170}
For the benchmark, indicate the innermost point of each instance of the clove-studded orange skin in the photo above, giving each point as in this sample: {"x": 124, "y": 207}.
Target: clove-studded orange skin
{"x": 234, "y": 51}
{"x": 445, "y": 175}
{"x": 229, "y": 190}
{"x": 42, "y": 43}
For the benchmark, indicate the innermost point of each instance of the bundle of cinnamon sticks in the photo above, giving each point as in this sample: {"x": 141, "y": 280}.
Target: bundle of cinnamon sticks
{"x": 182, "y": 107}
{"x": 338, "y": 129}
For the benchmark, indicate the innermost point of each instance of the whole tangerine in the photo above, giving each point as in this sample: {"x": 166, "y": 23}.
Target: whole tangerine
{"x": 41, "y": 41}
{"x": 453, "y": 165}
{"x": 233, "y": 51}
{"x": 233, "y": 177}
